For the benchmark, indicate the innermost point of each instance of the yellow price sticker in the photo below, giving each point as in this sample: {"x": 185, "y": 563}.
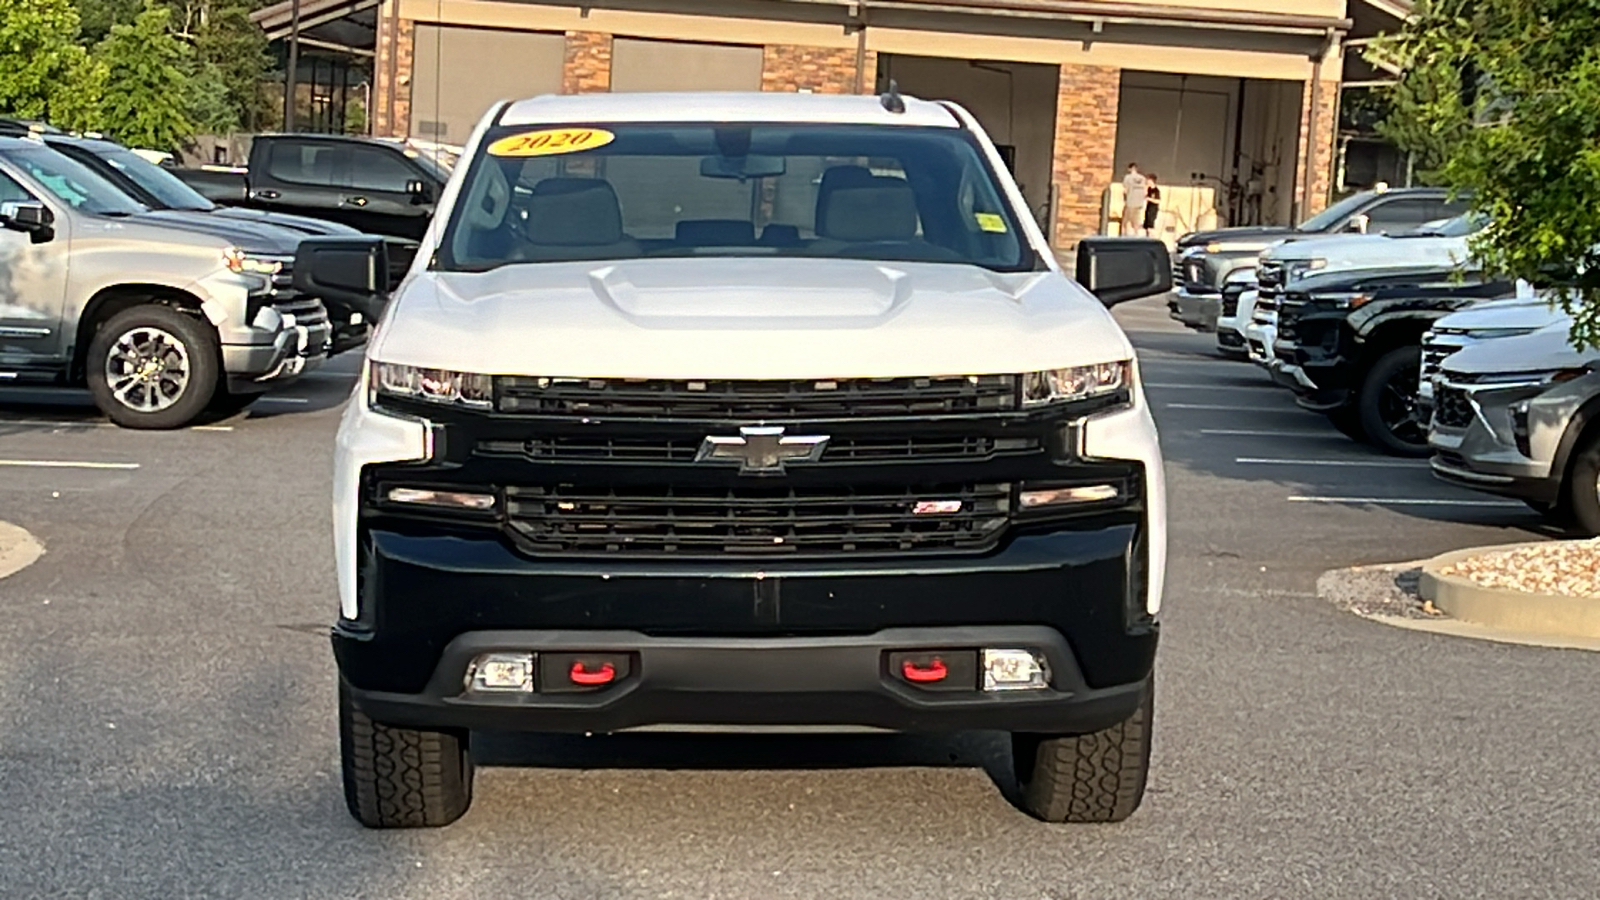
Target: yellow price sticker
{"x": 551, "y": 142}
{"x": 991, "y": 222}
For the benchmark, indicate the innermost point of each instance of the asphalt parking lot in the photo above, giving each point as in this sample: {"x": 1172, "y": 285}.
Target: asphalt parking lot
{"x": 167, "y": 719}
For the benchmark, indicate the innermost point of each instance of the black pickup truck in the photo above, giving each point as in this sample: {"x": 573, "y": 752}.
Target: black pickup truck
{"x": 374, "y": 185}
{"x": 1349, "y": 343}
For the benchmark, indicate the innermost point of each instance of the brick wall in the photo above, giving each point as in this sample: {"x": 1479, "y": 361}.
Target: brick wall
{"x": 821, "y": 70}
{"x": 1085, "y": 149}
{"x": 587, "y": 67}
{"x": 400, "y": 91}
{"x": 1323, "y": 142}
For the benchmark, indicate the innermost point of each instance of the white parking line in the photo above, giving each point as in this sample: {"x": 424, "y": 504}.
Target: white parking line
{"x": 60, "y": 423}
{"x": 284, "y": 400}
{"x": 64, "y": 464}
{"x": 1264, "y": 386}
{"x": 1213, "y": 406}
{"x": 1367, "y": 463}
{"x": 1408, "y": 501}
{"x": 1263, "y": 432}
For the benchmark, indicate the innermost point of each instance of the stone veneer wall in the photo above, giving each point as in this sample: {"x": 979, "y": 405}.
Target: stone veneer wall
{"x": 1322, "y": 159}
{"x": 587, "y": 67}
{"x": 1085, "y": 149}
{"x": 821, "y": 70}
{"x": 400, "y": 91}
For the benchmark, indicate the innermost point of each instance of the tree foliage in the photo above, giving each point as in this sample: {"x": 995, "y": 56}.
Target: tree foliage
{"x": 145, "y": 102}
{"x": 1503, "y": 98}
{"x": 44, "y": 72}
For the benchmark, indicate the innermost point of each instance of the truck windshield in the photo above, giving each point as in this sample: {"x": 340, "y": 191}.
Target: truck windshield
{"x": 1335, "y": 214}
{"x": 554, "y": 194}
{"x": 73, "y": 183}
{"x": 166, "y": 187}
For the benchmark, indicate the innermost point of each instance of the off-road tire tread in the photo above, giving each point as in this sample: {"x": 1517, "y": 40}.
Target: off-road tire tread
{"x": 402, "y": 777}
{"x": 1088, "y": 778}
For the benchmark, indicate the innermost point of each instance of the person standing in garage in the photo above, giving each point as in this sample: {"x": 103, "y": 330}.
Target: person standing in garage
{"x": 1152, "y": 204}
{"x": 1133, "y": 201}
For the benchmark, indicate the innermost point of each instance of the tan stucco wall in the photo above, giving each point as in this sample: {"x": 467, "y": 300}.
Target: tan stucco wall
{"x": 1191, "y": 60}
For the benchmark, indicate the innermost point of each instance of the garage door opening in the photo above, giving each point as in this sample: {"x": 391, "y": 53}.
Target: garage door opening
{"x": 452, "y": 87}
{"x": 1014, "y": 102}
{"x": 1225, "y": 149}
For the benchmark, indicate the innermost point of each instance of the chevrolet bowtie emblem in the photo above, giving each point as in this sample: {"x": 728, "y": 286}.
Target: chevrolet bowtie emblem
{"x": 762, "y": 450}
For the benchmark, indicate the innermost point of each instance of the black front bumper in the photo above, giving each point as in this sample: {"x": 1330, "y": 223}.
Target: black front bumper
{"x": 786, "y": 681}
{"x": 786, "y": 642}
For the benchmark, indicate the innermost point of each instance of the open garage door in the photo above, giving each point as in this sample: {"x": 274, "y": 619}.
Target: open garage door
{"x": 457, "y": 73}
{"x": 639, "y": 65}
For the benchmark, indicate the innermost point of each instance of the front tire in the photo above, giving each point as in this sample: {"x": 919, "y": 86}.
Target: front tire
{"x": 1583, "y": 486}
{"x": 1387, "y": 404}
{"x": 401, "y": 777}
{"x": 1095, "y": 777}
{"x": 153, "y": 367}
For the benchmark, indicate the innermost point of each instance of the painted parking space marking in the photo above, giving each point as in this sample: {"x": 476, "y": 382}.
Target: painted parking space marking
{"x": 67, "y": 423}
{"x": 284, "y": 400}
{"x": 64, "y": 464}
{"x": 1359, "y": 463}
{"x": 1213, "y": 387}
{"x": 1224, "y": 408}
{"x": 1408, "y": 501}
{"x": 1267, "y": 432}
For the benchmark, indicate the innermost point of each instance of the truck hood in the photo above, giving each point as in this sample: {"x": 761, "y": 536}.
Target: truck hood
{"x": 304, "y": 225}
{"x": 745, "y": 318}
{"x": 1541, "y": 351}
{"x": 1529, "y": 312}
{"x": 251, "y": 237}
{"x": 1359, "y": 250}
{"x": 1263, "y": 235}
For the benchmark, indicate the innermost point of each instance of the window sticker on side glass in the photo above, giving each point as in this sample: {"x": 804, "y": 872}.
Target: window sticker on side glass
{"x": 551, "y": 141}
{"x": 991, "y": 222}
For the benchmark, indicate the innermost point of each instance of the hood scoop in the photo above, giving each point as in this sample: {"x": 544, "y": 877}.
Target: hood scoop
{"x": 739, "y": 294}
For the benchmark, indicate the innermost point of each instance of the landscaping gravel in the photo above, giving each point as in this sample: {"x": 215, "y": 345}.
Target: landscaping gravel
{"x": 1565, "y": 568}
{"x": 1382, "y": 590}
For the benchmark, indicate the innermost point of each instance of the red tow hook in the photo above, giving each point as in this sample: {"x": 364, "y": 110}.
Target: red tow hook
{"x": 602, "y": 675}
{"x": 934, "y": 671}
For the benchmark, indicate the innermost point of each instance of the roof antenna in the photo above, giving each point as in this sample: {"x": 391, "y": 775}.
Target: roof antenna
{"x": 892, "y": 101}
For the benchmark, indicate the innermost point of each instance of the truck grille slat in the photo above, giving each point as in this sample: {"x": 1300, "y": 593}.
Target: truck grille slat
{"x": 838, "y": 450}
{"x": 778, "y": 520}
{"x": 723, "y": 399}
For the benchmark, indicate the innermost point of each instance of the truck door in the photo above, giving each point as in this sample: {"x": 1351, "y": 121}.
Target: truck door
{"x": 33, "y": 290}
{"x": 302, "y": 177}
{"x": 378, "y": 197}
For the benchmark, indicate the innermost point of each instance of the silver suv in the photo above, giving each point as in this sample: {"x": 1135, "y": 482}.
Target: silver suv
{"x": 162, "y": 324}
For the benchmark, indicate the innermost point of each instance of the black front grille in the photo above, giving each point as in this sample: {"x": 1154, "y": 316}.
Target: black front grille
{"x": 1451, "y": 407}
{"x": 757, "y": 400}
{"x": 1270, "y": 275}
{"x": 564, "y": 449}
{"x": 1230, "y": 299}
{"x": 778, "y": 520}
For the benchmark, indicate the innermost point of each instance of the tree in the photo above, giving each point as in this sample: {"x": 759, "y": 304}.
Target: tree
{"x": 147, "y": 91}
{"x": 44, "y": 73}
{"x": 230, "y": 56}
{"x": 1505, "y": 95}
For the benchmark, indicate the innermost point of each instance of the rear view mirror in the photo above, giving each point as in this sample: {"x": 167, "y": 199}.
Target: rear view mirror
{"x": 1117, "y": 270}
{"x": 742, "y": 167}
{"x": 353, "y": 272}
{"x": 30, "y": 218}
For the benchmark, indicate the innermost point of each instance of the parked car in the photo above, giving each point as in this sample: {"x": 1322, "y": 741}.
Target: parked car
{"x": 1524, "y": 313}
{"x": 1202, "y": 312}
{"x": 1444, "y": 245}
{"x": 614, "y": 444}
{"x": 169, "y": 201}
{"x": 1518, "y": 417}
{"x": 1205, "y": 259}
{"x": 1238, "y": 305}
{"x": 1349, "y": 345}
{"x": 161, "y": 323}
{"x": 373, "y": 185}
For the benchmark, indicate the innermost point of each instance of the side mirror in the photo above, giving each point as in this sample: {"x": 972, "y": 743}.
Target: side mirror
{"x": 1358, "y": 224}
{"x": 353, "y": 272}
{"x": 419, "y": 191}
{"x": 30, "y": 218}
{"x": 1117, "y": 270}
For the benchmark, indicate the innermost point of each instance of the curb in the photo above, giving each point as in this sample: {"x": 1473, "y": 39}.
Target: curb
{"x": 18, "y": 549}
{"x": 1519, "y": 611}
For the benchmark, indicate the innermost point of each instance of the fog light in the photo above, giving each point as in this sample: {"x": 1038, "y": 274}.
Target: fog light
{"x": 501, "y": 673}
{"x": 449, "y": 499}
{"x": 1014, "y": 670}
{"x": 1085, "y": 493}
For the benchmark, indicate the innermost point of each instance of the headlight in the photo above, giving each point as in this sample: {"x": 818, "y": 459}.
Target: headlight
{"x": 431, "y": 385}
{"x": 1076, "y": 383}
{"x": 1351, "y": 300}
{"x": 242, "y": 263}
